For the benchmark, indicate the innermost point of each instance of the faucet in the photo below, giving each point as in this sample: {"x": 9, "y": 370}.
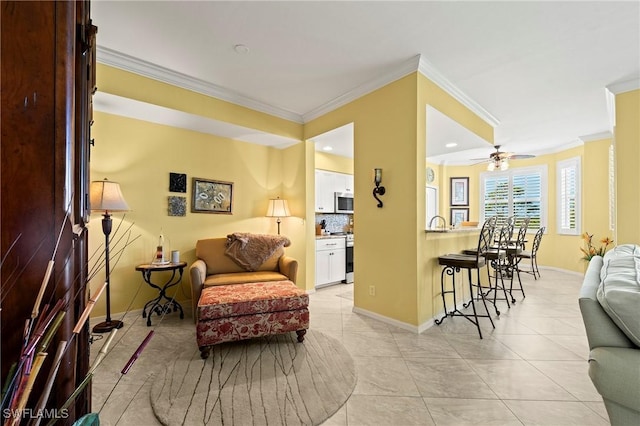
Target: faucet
{"x": 442, "y": 219}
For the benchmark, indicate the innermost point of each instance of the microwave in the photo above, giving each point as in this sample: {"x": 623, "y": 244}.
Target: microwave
{"x": 343, "y": 202}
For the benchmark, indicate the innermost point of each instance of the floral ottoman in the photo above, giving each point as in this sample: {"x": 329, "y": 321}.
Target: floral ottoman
{"x": 243, "y": 311}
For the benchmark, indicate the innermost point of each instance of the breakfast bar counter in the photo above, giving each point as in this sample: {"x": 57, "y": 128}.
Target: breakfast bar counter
{"x": 438, "y": 242}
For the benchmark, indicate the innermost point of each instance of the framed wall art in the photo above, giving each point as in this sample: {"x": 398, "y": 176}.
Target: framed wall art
{"x": 177, "y": 206}
{"x": 177, "y": 182}
{"x": 459, "y": 191}
{"x": 211, "y": 196}
{"x": 459, "y": 215}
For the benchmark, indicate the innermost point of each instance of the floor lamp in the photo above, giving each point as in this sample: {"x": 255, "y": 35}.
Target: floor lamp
{"x": 106, "y": 196}
{"x": 278, "y": 208}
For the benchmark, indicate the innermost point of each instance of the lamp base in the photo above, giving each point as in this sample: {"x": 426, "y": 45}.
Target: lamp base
{"x": 107, "y": 326}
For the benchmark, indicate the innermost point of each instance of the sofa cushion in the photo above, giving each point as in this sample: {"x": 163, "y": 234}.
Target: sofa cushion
{"x": 243, "y": 277}
{"x": 244, "y": 299}
{"x": 619, "y": 289}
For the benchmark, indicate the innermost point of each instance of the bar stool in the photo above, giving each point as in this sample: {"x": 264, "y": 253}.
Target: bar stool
{"x": 513, "y": 255}
{"x": 498, "y": 262}
{"x": 533, "y": 254}
{"x": 454, "y": 263}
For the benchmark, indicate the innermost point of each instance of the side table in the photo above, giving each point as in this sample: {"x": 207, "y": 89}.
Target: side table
{"x": 156, "y": 305}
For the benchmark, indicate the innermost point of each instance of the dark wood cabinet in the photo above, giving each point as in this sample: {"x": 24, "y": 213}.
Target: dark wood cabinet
{"x": 47, "y": 80}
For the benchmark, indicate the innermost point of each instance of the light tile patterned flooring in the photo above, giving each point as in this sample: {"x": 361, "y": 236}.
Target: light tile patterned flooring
{"x": 530, "y": 370}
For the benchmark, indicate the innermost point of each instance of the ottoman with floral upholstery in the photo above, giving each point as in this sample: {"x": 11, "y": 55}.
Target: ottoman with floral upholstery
{"x": 233, "y": 312}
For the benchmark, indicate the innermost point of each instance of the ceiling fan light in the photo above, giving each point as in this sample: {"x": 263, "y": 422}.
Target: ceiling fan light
{"x": 491, "y": 166}
{"x": 504, "y": 165}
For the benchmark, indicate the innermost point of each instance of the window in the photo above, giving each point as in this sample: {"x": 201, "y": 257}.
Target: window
{"x": 612, "y": 188}
{"x": 518, "y": 192}
{"x": 568, "y": 209}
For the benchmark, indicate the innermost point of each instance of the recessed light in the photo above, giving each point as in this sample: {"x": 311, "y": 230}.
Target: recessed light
{"x": 241, "y": 49}
{"x": 327, "y": 148}
{"x": 451, "y": 145}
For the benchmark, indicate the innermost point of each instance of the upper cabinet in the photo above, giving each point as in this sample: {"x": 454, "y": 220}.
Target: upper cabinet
{"x": 343, "y": 182}
{"x": 327, "y": 184}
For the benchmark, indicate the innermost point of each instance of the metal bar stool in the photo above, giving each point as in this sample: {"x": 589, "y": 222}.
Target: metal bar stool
{"x": 454, "y": 263}
{"x": 533, "y": 254}
{"x": 497, "y": 260}
{"x": 513, "y": 255}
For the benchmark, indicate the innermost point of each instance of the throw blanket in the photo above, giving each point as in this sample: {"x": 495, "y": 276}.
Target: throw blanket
{"x": 250, "y": 251}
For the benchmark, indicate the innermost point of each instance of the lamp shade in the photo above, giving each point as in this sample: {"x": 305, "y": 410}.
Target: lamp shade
{"x": 105, "y": 195}
{"x": 278, "y": 208}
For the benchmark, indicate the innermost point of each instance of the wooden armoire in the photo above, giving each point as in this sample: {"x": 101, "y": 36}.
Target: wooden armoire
{"x": 47, "y": 82}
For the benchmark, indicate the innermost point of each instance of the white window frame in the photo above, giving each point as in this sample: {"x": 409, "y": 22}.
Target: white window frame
{"x": 519, "y": 171}
{"x": 564, "y": 198}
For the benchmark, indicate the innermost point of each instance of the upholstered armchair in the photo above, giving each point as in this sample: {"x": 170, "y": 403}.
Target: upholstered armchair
{"x": 213, "y": 267}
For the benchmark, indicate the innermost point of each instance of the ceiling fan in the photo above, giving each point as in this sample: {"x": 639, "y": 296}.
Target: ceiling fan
{"x": 499, "y": 160}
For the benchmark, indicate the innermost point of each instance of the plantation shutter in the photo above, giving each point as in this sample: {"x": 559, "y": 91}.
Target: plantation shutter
{"x": 568, "y": 193}
{"x": 527, "y": 197}
{"x": 518, "y": 192}
{"x": 496, "y": 197}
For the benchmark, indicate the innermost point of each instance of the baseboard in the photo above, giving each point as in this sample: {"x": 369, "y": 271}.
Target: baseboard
{"x": 391, "y": 321}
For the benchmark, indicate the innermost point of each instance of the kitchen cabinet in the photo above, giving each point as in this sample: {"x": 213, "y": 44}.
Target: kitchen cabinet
{"x": 324, "y": 192}
{"x": 343, "y": 182}
{"x": 331, "y": 258}
{"x": 327, "y": 184}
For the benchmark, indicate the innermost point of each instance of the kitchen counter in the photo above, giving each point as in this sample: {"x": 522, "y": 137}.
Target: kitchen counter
{"x": 325, "y": 237}
{"x": 452, "y": 231}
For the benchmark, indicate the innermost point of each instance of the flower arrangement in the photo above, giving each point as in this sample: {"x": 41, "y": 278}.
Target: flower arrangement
{"x": 590, "y": 250}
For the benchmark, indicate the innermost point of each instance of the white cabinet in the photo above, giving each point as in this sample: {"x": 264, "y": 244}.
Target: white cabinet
{"x": 343, "y": 182}
{"x": 327, "y": 184}
{"x": 331, "y": 258}
{"x": 324, "y": 192}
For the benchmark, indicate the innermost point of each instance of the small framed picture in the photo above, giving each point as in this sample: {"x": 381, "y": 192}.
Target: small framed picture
{"x": 459, "y": 191}
{"x": 177, "y": 182}
{"x": 459, "y": 215}
{"x": 211, "y": 196}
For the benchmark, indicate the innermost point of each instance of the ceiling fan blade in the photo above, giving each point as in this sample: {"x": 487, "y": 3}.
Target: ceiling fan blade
{"x": 520, "y": 156}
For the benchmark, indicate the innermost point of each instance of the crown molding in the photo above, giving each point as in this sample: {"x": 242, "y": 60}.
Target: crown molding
{"x": 125, "y": 62}
{"x": 427, "y": 69}
{"x": 624, "y": 86}
{"x": 403, "y": 69}
{"x": 596, "y": 136}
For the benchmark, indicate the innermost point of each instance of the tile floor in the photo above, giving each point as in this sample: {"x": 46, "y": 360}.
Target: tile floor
{"x": 530, "y": 370}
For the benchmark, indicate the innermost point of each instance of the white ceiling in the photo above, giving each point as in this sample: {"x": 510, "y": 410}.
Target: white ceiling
{"x": 539, "y": 68}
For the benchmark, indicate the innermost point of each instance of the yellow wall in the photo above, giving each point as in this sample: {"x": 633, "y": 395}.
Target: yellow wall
{"x": 627, "y": 143}
{"x": 390, "y": 133}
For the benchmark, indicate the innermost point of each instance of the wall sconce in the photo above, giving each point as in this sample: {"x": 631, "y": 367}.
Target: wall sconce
{"x": 378, "y": 190}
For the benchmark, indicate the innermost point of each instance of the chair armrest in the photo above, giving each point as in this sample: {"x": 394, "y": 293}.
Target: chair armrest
{"x": 289, "y": 267}
{"x": 197, "y": 273}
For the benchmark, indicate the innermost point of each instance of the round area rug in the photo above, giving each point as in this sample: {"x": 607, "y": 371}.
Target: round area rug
{"x": 271, "y": 380}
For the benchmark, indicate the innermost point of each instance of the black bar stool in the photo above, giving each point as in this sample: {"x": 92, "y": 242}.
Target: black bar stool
{"x": 454, "y": 263}
{"x": 533, "y": 254}
{"x": 498, "y": 262}
{"x": 513, "y": 255}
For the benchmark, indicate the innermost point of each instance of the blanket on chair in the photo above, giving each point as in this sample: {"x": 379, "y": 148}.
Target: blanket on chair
{"x": 250, "y": 251}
